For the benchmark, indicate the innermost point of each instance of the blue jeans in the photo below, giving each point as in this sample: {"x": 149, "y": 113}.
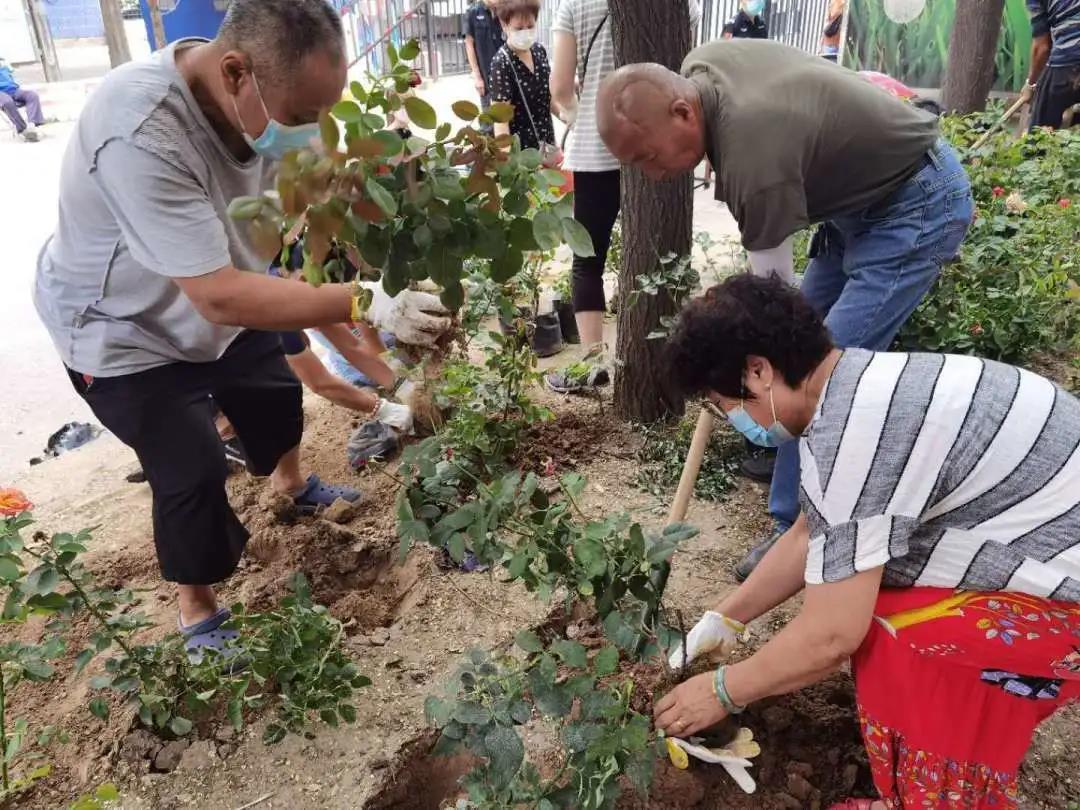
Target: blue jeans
{"x": 873, "y": 270}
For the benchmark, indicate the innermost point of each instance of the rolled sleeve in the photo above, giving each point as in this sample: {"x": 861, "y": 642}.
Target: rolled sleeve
{"x": 1040, "y": 19}
{"x": 165, "y": 216}
{"x": 564, "y": 18}
{"x": 838, "y": 552}
{"x": 767, "y": 217}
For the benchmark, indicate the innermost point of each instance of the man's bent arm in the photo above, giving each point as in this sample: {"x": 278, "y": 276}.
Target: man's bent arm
{"x": 231, "y": 297}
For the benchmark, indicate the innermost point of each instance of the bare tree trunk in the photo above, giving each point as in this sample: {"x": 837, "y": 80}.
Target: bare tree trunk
{"x": 115, "y": 36}
{"x": 656, "y": 220}
{"x": 972, "y": 48}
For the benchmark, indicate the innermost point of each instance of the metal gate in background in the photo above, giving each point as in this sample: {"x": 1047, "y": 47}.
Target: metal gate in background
{"x": 439, "y": 25}
{"x": 798, "y": 23}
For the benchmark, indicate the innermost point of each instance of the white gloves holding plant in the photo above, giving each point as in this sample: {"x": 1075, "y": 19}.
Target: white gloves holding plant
{"x": 734, "y": 757}
{"x": 395, "y": 415}
{"x": 713, "y": 632}
{"x": 415, "y": 318}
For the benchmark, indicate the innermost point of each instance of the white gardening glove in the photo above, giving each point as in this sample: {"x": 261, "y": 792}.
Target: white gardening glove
{"x": 779, "y": 260}
{"x": 733, "y": 757}
{"x": 712, "y": 631}
{"x": 568, "y": 114}
{"x": 405, "y": 391}
{"x": 414, "y": 318}
{"x": 395, "y": 415}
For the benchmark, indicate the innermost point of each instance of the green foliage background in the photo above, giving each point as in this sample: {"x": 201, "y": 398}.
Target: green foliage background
{"x": 917, "y": 52}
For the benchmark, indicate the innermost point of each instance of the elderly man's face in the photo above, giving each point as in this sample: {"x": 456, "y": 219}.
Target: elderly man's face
{"x": 292, "y": 100}
{"x": 672, "y": 146}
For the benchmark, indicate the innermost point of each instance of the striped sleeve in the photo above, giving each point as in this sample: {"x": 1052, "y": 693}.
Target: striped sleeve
{"x": 863, "y": 512}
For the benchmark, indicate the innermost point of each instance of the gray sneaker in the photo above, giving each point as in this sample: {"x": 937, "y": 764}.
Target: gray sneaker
{"x": 30, "y": 135}
{"x": 756, "y": 554}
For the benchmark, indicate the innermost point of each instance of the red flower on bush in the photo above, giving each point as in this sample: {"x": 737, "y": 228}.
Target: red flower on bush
{"x": 976, "y": 329}
{"x": 549, "y": 466}
{"x": 449, "y": 453}
{"x": 1064, "y": 202}
{"x": 999, "y": 191}
{"x": 13, "y": 502}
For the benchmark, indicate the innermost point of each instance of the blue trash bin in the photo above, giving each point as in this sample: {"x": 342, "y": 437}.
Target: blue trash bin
{"x": 186, "y": 18}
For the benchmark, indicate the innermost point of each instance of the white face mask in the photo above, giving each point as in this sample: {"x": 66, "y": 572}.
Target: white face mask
{"x": 521, "y": 39}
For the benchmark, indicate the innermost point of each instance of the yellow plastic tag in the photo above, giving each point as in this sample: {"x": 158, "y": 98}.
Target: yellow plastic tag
{"x": 677, "y": 756}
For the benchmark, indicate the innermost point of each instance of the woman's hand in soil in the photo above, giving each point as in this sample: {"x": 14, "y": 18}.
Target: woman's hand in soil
{"x": 714, "y": 632}
{"x": 689, "y": 707}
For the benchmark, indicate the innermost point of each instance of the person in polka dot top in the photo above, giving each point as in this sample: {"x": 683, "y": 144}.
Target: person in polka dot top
{"x": 520, "y": 73}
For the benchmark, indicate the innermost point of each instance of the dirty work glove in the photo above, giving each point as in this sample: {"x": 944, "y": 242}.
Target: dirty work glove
{"x": 734, "y": 757}
{"x": 713, "y": 631}
{"x": 395, "y": 415}
{"x": 415, "y": 318}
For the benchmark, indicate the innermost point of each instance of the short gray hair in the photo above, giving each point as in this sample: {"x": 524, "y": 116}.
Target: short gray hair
{"x": 278, "y": 34}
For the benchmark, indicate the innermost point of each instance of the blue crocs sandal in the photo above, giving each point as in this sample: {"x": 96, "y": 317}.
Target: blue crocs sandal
{"x": 209, "y": 635}
{"x": 317, "y": 495}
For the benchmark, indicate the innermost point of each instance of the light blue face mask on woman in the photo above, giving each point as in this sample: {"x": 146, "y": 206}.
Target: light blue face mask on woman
{"x": 773, "y": 436}
{"x": 277, "y": 139}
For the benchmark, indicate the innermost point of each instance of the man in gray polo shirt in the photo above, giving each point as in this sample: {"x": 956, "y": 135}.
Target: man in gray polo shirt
{"x": 795, "y": 141}
{"x": 143, "y": 286}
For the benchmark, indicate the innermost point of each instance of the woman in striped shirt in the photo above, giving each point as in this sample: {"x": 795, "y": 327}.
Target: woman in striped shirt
{"x": 938, "y": 546}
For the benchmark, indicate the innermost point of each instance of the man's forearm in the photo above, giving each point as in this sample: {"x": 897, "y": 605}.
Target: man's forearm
{"x": 1040, "y": 55}
{"x": 356, "y": 355}
{"x": 780, "y": 575}
{"x": 232, "y": 297}
{"x": 470, "y": 54}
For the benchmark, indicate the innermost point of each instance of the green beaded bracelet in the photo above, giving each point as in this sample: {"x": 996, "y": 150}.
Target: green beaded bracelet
{"x": 720, "y": 688}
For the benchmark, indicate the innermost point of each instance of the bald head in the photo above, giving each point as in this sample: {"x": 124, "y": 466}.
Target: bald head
{"x": 651, "y": 117}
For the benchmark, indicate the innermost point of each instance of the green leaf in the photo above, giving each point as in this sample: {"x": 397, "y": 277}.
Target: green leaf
{"x": 358, "y": 91}
{"x": 372, "y": 121}
{"x": 501, "y": 112}
{"x": 530, "y": 159}
{"x": 36, "y": 670}
{"x": 410, "y": 50}
{"x": 347, "y": 712}
{"x": 470, "y": 713}
{"x": 82, "y": 659}
{"x": 107, "y": 792}
{"x": 620, "y": 631}
{"x": 678, "y": 532}
{"x": 245, "y": 208}
{"x": 528, "y": 641}
{"x": 443, "y": 131}
{"x": 606, "y": 661}
{"x": 553, "y": 177}
{"x": 329, "y": 716}
{"x": 391, "y": 143}
{"x": 99, "y": 708}
{"x": 273, "y": 734}
{"x": 572, "y": 653}
{"x": 47, "y": 603}
{"x": 421, "y": 113}
{"x": 438, "y": 712}
{"x": 331, "y": 134}
{"x": 383, "y": 198}
{"x": 180, "y": 725}
{"x": 506, "y": 266}
{"x": 41, "y": 580}
{"x": 505, "y": 752}
{"x": 235, "y": 713}
{"x": 422, "y": 236}
{"x": 577, "y": 238}
{"x": 347, "y": 111}
{"x": 547, "y": 230}
{"x": 466, "y": 111}
{"x": 456, "y": 547}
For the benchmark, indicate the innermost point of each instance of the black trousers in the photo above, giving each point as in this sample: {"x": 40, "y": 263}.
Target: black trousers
{"x": 596, "y": 205}
{"x": 167, "y": 417}
{"x": 1059, "y": 89}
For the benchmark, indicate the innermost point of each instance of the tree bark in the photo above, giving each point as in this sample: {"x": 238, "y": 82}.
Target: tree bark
{"x": 115, "y": 36}
{"x": 972, "y": 48}
{"x": 656, "y": 221}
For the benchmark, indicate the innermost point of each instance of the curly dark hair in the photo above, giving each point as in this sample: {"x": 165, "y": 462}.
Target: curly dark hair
{"x": 745, "y": 315}
{"x": 506, "y": 10}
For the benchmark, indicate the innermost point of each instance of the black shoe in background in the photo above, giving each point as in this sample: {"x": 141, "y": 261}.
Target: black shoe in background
{"x": 755, "y": 555}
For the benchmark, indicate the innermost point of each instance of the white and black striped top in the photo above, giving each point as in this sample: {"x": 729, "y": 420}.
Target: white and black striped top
{"x": 950, "y": 471}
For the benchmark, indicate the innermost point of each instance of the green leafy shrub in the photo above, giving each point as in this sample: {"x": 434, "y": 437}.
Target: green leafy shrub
{"x": 1008, "y": 294}
{"x": 663, "y": 454}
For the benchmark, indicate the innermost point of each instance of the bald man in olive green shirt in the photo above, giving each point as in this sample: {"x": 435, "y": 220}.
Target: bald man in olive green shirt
{"x": 795, "y": 141}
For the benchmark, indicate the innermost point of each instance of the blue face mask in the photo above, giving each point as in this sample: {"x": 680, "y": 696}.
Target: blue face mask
{"x": 773, "y": 436}
{"x": 755, "y": 8}
{"x": 277, "y": 139}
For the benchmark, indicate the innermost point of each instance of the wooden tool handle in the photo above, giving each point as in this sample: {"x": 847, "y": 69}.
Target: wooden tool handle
{"x": 691, "y": 467}
{"x": 1009, "y": 113}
